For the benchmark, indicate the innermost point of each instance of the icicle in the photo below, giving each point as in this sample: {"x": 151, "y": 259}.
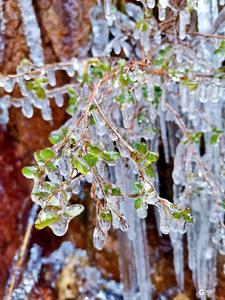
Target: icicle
{"x": 151, "y": 3}
{"x": 135, "y": 264}
{"x": 100, "y": 30}
{"x": 70, "y": 71}
{"x": 75, "y": 184}
{"x": 204, "y": 16}
{"x": 22, "y": 86}
{"x": 164, "y": 135}
{"x": 27, "y": 108}
{"x": 59, "y": 99}
{"x": 63, "y": 166}
{"x": 2, "y": 30}
{"x": 164, "y": 3}
{"x": 4, "y": 110}
{"x": 178, "y": 257}
{"x": 127, "y": 114}
{"x": 202, "y": 252}
{"x": 51, "y": 76}
{"x": 46, "y": 110}
{"x": 59, "y": 228}
{"x": 32, "y": 31}
{"x": 162, "y": 13}
{"x": 99, "y": 237}
{"x": 9, "y": 85}
{"x": 182, "y": 24}
{"x": 108, "y": 11}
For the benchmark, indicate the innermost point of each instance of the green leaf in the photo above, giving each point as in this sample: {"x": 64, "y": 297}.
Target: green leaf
{"x": 97, "y": 72}
{"x": 216, "y": 135}
{"x": 141, "y": 118}
{"x": 177, "y": 215}
{"x": 116, "y": 191}
{"x": 152, "y": 156}
{"x": 188, "y": 218}
{"x": 92, "y": 156}
{"x": 186, "y": 214}
{"x": 123, "y": 81}
{"x": 30, "y": 172}
{"x": 29, "y": 85}
{"x": 138, "y": 203}
{"x": 42, "y": 224}
{"x": 71, "y": 91}
{"x": 39, "y": 159}
{"x": 106, "y": 216}
{"x": 40, "y": 195}
{"x": 91, "y": 120}
{"x": 138, "y": 187}
{"x": 80, "y": 166}
{"x": 223, "y": 204}
{"x": 142, "y": 25}
{"x": 47, "y": 153}
{"x": 190, "y": 84}
{"x": 120, "y": 99}
{"x": 157, "y": 95}
{"x": 41, "y": 80}
{"x": 94, "y": 149}
{"x": 51, "y": 166}
{"x": 140, "y": 147}
{"x": 40, "y": 92}
{"x": 90, "y": 159}
{"x": 196, "y": 137}
{"x": 107, "y": 187}
{"x": 55, "y": 138}
{"x": 46, "y": 219}
{"x": 110, "y": 156}
{"x": 145, "y": 92}
{"x": 221, "y": 49}
{"x": 49, "y": 186}
{"x": 71, "y": 109}
{"x": 149, "y": 170}
{"x": 214, "y": 138}
{"x": 162, "y": 55}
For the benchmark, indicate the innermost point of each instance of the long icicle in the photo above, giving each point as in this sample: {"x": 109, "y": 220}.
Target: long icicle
{"x": 2, "y": 30}
{"x": 32, "y": 32}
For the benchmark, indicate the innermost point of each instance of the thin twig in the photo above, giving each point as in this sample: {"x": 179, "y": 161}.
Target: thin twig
{"x": 21, "y": 254}
{"x": 207, "y": 35}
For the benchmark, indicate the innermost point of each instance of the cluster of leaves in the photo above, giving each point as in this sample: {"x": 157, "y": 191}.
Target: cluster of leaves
{"x": 145, "y": 158}
{"x": 184, "y": 214}
{"x": 198, "y": 135}
{"x": 83, "y": 156}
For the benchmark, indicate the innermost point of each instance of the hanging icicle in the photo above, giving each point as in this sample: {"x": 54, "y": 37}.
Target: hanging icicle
{"x": 32, "y": 32}
{"x": 2, "y": 30}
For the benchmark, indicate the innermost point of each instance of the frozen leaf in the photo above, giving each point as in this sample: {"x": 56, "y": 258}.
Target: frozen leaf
{"x": 80, "y": 166}
{"x": 30, "y": 172}
{"x": 110, "y": 156}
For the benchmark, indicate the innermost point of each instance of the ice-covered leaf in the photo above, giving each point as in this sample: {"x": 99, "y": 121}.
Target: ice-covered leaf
{"x": 80, "y": 166}
{"x": 47, "y": 153}
{"x": 30, "y": 172}
{"x": 110, "y": 156}
{"x": 46, "y": 218}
